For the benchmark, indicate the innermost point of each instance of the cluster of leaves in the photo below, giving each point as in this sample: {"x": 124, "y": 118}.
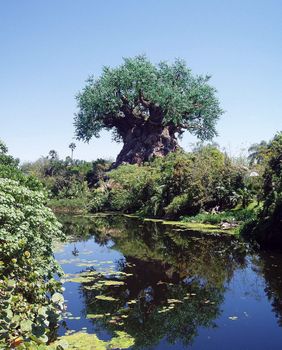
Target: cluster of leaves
{"x": 30, "y": 301}
{"x": 180, "y": 183}
{"x": 140, "y": 92}
{"x": 267, "y": 229}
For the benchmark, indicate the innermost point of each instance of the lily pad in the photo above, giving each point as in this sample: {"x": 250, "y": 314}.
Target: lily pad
{"x": 104, "y": 297}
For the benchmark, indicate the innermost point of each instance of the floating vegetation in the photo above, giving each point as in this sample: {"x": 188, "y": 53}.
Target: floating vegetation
{"x": 174, "y": 301}
{"x": 106, "y": 298}
{"x": 113, "y": 283}
{"x": 95, "y": 316}
{"x": 165, "y": 309}
{"x": 79, "y": 279}
{"x": 144, "y": 298}
{"x": 82, "y": 340}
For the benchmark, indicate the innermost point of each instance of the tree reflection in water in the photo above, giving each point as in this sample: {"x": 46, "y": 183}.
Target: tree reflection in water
{"x": 174, "y": 280}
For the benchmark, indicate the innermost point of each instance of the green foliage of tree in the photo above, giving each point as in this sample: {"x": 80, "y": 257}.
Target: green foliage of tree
{"x": 146, "y": 105}
{"x": 72, "y": 147}
{"x": 29, "y": 298}
{"x": 5, "y": 158}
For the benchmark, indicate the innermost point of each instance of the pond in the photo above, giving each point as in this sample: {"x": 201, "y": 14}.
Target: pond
{"x": 167, "y": 287}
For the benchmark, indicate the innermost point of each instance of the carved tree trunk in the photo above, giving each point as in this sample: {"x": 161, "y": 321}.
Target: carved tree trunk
{"x": 143, "y": 143}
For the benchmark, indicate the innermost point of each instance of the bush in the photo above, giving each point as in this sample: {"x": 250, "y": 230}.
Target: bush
{"x": 98, "y": 201}
{"x": 239, "y": 216}
{"x": 178, "y": 184}
{"x": 30, "y": 301}
{"x": 267, "y": 229}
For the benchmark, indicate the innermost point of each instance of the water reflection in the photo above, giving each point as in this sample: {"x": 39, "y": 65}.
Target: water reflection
{"x": 270, "y": 266}
{"x": 171, "y": 283}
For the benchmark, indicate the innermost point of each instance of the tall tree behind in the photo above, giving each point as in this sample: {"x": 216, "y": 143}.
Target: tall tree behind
{"x": 147, "y": 107}
{"x": 72, "y": 147}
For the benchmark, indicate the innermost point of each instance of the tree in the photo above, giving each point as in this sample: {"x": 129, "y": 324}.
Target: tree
{"x": 5, "y": 158}
{"x": 53, "y": 155}
{"x": 257, "y": 152}
{"x": 147, "y": 106}
{"x": 72, "y": 146}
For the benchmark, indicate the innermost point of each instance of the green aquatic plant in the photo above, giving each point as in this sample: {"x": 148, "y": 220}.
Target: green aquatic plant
{"x": 81, "y": 340}
{"x": 105, "y": 297}
{"x": 78, "y": 341}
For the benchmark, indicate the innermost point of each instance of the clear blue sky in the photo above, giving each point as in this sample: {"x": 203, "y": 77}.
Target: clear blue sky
{"x": 48, "y": 49}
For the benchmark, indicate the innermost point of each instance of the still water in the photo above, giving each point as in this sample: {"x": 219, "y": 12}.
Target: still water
{"x": 167, "y": 287}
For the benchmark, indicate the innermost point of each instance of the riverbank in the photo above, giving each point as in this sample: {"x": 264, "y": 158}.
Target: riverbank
{"x": 219, "y": 223}
{"x": 191, "y": 226}
{"x": 224, "y": 222}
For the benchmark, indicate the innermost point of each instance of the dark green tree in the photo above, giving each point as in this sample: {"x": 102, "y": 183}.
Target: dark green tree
{"x": 147, "y": 107}
{"x": 53, "y": 155}
{"x": 72, "y": 147}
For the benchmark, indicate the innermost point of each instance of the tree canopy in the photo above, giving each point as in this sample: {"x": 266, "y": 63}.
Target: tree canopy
{"x": 139, "y": 99}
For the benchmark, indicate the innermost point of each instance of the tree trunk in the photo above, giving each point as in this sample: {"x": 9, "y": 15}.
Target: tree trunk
{"x": 143, "y": 143}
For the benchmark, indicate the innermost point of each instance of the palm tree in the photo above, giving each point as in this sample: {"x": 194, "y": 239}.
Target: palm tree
{"x": 53, "y": 154}
{"x": 257, "y": 152}
{"x": 72, "y": 146}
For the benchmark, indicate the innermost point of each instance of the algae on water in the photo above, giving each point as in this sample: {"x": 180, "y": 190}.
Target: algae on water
{"x": 86, "y": 341}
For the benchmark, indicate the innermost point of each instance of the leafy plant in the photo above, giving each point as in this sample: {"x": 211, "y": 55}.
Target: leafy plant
{"x": 30, "y": 301}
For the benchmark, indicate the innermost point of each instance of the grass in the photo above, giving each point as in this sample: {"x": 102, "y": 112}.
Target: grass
{"x": 237, "y": 215}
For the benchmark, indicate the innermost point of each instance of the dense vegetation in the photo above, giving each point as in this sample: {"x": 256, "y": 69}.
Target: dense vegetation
{"x": 267, "y": 227}
{"x": 30, "y": 301}
{"x": 179, "y": 184}
{"x": 147, "y": 106}
{"x": 68, "y": 181}
{"x": 204, "y": 186}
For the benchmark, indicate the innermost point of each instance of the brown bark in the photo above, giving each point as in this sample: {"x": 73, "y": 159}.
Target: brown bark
{"x": 144, "y": 142}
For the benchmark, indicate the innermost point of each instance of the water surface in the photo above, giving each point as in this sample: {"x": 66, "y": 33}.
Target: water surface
{"x": 167, "y": 287}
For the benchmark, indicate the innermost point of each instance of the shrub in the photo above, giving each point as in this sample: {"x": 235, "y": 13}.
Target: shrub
{"x": 29, "y": 295}
{"x": 267, "y": 229}
{"x": 239, "y": 215}
{"x": 178, "y": 184}
{"x": 98, "y": 200}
